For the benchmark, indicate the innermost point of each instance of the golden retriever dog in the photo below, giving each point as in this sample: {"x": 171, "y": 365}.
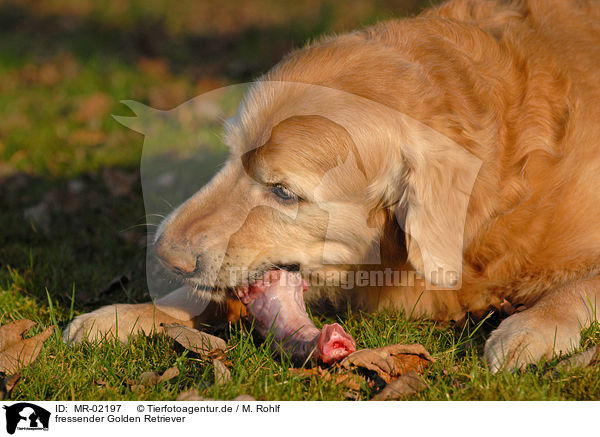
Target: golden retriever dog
{"x": 462, "y": 144}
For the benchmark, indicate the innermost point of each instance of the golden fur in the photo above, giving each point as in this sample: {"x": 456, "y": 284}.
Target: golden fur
{"x": 464, "y": 140}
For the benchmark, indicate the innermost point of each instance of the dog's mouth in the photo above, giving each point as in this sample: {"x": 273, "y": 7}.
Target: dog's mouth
{"x": 275, "y": 302}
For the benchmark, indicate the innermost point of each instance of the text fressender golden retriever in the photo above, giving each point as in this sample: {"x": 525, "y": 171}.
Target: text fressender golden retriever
{"x": 463, "y": 144}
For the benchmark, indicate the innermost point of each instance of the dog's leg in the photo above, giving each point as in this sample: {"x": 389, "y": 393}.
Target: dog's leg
{"x": 122, "y": 320}
{"x": 551, "y": 326}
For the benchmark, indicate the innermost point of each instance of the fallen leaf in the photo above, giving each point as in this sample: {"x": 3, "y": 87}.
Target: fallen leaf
{"x": 17, "y": 352}
{"x": 586, "y": 358}
{"x": 342, "y": 377}
{"x": 390, "y": 361}
{"x": 307, "y": 373}
{"x": 155, "y": 378}
{"x": 170, "y": 373}
{"x": 222, "y": 373}
{"x": 405, "y": 385}
{"x": 219, "y": 354}
{"x": 349, "y": 380}
{"x": 12, "y": 332}
{"x": 352, "y": 395}
{"x": 149, "y": 378}
{"x": 194, "y": 340}
{"x": 7, "y": 384}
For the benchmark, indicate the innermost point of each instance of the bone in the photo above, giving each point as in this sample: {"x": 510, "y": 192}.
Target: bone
{"x": 277, "y": 307}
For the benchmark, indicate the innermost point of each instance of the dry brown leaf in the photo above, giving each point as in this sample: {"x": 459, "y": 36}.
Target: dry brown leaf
{"x": 390, "y": 361}
{"x": 7, "y": 384}
{"x": 12, "y": 333}
{"x": 17, "y": 352}
{"x": 584, "y": 359}
{"x": 170, "y": 373}
{"x": 219, "y": 354}
{"x": 352, "y": 395}
{"x": 194, "y": 340}
{"x": 155, "y": 378}
{"x": 222, "y": 373}
{"x": 149, "y": 378}
{"x": 307, "y": 373}
{"x": 349, "y": 380}
{"x": 406, "y": 385}
{"x": 342, "y": 377}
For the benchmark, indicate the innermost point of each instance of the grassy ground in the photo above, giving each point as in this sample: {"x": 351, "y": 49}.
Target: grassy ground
{"x": 65, "y": 230}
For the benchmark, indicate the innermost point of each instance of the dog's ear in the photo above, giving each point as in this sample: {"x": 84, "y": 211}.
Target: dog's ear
{"x": 439, "y": 178}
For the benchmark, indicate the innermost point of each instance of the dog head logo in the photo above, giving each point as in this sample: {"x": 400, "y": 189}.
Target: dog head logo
{"x": 343, "y": 155}
{"x": 26, "y": 416}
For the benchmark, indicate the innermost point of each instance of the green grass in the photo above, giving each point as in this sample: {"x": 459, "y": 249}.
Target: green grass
{"x": 59, "y": 57}
{"x": 107, "y": 371}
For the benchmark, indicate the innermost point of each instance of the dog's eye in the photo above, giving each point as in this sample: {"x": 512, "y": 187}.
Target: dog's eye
{"x": 284, "y": 194}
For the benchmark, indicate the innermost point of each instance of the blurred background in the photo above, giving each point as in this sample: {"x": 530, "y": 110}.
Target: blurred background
{"x": 72, "y": 217}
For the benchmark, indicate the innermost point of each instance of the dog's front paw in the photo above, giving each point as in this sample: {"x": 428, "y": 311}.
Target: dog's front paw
{"x": 113, "y": 321}
{"x": 513, "y": 350}
{"x": 524, "y": 338}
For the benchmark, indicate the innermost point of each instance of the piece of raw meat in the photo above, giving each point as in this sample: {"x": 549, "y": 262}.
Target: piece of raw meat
{"x": 277, "y": 305}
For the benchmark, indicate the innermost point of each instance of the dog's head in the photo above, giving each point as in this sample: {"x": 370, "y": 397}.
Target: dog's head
{"x": 314, "y": 179}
